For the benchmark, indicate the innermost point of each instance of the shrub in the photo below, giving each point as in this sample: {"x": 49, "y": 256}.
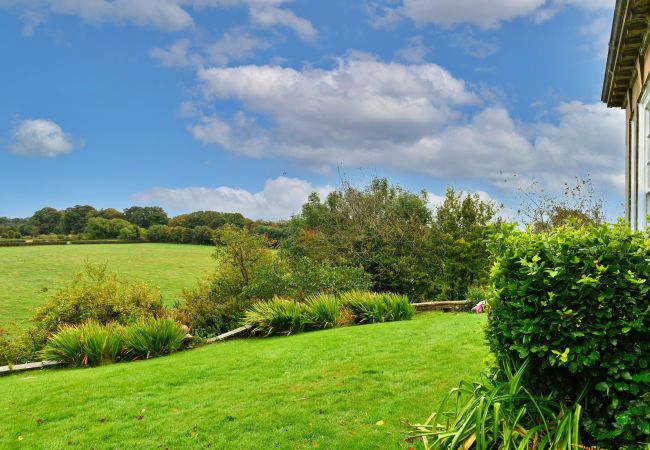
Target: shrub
{"x": 278, "y": 316}
{"x": 309, "y": 277}
{"x": 23, "y": 347}
{"x": 152, "y": 338}
{"x": 321, "y": 311}
{"x": 371, "y": 307}
{"x": 99, "y": 295}
{"x": 576, "y": 302}
{"x": 90, "y": 344}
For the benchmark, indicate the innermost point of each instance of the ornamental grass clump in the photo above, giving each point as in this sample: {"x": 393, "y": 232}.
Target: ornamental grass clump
{"x": 501, "y": 413}
{"x": 90, "y": 344}
{"x": 321, "y": 312}
{"x": 372, "y": 307}
{"x": 153, "y": 338}
{"x": 277, "y": 316}
{"x": 576, "y": 303}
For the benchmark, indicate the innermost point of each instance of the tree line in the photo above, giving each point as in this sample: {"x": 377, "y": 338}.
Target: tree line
{"x": 134, "y": 223}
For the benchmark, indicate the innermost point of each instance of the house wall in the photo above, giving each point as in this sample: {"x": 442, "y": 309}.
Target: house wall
{"x": 635, "y": 161}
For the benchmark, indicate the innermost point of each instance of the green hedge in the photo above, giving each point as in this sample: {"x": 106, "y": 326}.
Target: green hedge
{"x": 576, "y": 302}
{"x": 76, "y": 242}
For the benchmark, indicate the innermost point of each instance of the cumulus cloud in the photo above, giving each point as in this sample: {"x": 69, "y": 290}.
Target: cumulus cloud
{"x": 418, "y": 118}
{"x": 40, "y": 137}
{"x": 361, "y": 101}
{"x": 235, "y": 45}
{"x": 163, "y": 14}
{"x": 270, "y": 16}
{"x": 169, "y": 15}
{"x": 486, "y": 14}
{"x": 279, "y": 199}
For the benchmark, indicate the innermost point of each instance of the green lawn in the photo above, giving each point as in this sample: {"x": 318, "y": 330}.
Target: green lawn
{"x": 25, "y": 271}
{"x": 326, "y": 389}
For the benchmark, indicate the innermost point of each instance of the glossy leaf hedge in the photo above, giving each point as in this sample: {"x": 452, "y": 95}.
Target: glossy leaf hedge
{"x": 576, "y": 301}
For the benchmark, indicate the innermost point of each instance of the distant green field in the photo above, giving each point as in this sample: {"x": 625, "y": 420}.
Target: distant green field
{"x": 26, "y": 271}
{"x": 346, "y": 388}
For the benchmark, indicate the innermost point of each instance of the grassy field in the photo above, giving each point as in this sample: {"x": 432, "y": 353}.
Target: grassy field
{"x": 27, "y": 270}
{"x": 345, "y": 388}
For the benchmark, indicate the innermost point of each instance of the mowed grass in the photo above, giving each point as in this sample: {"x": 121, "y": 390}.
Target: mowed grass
{"x": 344, "y": 388}
{"x": 26, "y": 271}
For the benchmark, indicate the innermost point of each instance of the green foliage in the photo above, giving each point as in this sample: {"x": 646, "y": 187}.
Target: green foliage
{"x": 19, "y": 346}
{"x": 501, "y": 414}
{"x": 477, "y": 294}
{"x": 458, "y": 239}
{"x": 277, "y": 316}
{"x": 249, "y": 270}
{"x": 46, "y": 220}
{"x": 309, "y": 277}
{"x": 542, "y": 211}
{"x": 99, "y": 295}
{"x": 372, "y": 307}
{"x": 93, "y": 344}
{"x": 100, "y": 228}
{"x": 90, "y": 344}
{"x": 321, "y": 312}
{"x": 152, "y": 338}
{"x": 576, "y": 302}
{"x": 76, "y": 218}
{"x": 210, "y": 219}
{"x": 145, "y": 216}
{"x": 391, "y": 233}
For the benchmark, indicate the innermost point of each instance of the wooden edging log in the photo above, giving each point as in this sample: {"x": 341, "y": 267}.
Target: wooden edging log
{"x": 229, "y": 334}
{"x": 28, "y": 366}
{"x": 453, "y": 305}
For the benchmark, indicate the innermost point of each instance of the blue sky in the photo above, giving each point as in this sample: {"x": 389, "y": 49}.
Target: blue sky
{"x": 249, "y": 105}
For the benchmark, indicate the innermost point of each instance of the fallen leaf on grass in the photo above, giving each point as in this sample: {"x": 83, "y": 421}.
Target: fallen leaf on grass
{"x": 20, "y": 438}
{"x": 381, "y": 422}
{"x": 194, "y": 433}
{"x": 39, "y": 421}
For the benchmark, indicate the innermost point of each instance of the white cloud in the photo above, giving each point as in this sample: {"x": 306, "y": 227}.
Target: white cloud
{"x": 169, "y": 15}
{"x": 596, "y": 35}
{"x": 270, "y": 16}
{"x": 414, "y": 52}
{"x": 40, "y": 137}
{"x": 486, "y": 14}
{"x": 370, "y": 113}
{"x": 176, "y": 55}
{"x": 235, "y": 45}
{"x": 163, "y": 14}
{"x": 361, "y": 101}
{"x": 279, "y": 199}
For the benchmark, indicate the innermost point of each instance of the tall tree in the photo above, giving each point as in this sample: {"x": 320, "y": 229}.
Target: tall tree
{"x": 145, "y": 216}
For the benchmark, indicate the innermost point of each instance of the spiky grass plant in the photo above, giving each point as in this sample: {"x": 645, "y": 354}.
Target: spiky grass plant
{"x": 501, "y": 415}
{"x": 152, "y": 338}
{"x": 399, "y": 307}
{"x": 277, "y": 316}
{"x": 321, "y": 311}
{"x": 90, "y": 344}
{"x": 372, "y": 307}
